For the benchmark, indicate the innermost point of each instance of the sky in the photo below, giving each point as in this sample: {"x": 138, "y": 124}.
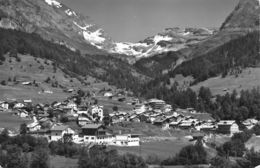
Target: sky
{"x": 135, "y": 20}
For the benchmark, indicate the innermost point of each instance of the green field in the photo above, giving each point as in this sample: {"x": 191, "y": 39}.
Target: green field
{"x": 248, "y": 79}
{"x": 63, "y": 162}
{"x": 147, "y": 130}
{"x": 163, "y": 149}
{"x": 7, "y": 120}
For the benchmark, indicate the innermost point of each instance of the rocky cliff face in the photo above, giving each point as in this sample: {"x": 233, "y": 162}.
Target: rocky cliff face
{"x": 244, "y": 17}
{"x": 53, "y": 21}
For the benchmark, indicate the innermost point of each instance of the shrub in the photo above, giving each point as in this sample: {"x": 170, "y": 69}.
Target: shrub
{"x": 3, "y": 82}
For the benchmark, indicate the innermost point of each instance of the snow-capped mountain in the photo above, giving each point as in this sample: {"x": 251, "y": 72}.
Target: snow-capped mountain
{"x": 172, "y": 39}
{"x": 56, "y": 22}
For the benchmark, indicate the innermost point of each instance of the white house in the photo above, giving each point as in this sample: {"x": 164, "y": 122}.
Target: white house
{"x": 19, "y": 105}
{"x": 27, "y": 101}
{"x": 58, "y": 132}
{"x": 23, "y": 114}
{"x": 48, "y": 91}
{"x": 127, "y": 140}
{"x": 72, "y": 105}
{"x": 250, "y": 123}
{"x": 108, "y": 94}
{"x": 26, "y": 83}
{"x": 82, "y": 120}
{"x": 167, "y": 108}
{"x": 34, "y": 126}
{"x": 97, "y": 110}
{"x": 140, "y": 108}
{"x": 4, "y": 105}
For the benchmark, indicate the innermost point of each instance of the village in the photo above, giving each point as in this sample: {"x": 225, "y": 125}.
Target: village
{"x": 90, "y": 121}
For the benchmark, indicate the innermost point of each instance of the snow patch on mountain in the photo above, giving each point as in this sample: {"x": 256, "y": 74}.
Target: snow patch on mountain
{"x": 70, "y": 12}
{"x": 94, "y": 37}
{"x": 159, "y": 38}
{"x": 83, "y": 27}
{"x": 54, "y": 3}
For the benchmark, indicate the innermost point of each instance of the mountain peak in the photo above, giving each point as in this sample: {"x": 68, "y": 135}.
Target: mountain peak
{"x": 245, "y": 16}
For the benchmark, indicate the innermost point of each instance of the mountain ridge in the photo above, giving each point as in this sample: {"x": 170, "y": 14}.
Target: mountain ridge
{"x": 56, "y": 22}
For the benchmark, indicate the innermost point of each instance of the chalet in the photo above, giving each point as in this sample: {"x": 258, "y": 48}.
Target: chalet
{"x": 84, "y": 120}
{"x": 72, "y": 105}
{"x": 58, "y": 132}
{"x": 167, "y": 108}
{"x": 19, "y": 105}
{"x": 22, "y": 113}
{"x": 27, "y": 83}
{"x": 48, "y": 91}
{"x": 160, "y": 121}
{"x": 34, "y": 126}
{"x": 174, "y": 124}
{"x": 207, "y": 127}
{"x": 96, "y": 133}
{"x": 56, "y": 104}
{"x": 250, "y": 123}
{"x": 4, "y": 105}
{"x": 186, "y": 125}
{"x": 27, "y": 101}
{"x": 127, "y": 140}
{"x": 42, "y": 115}
{"x": 69, "y": 90}
{"x": 227, "y": 127}
{"x": 156, "y": 104}
{"x": 140, "y": 108}
{"x": 108, "y": 94}
{"x": 97, "y": 111}
{"x": 82, "y": 111}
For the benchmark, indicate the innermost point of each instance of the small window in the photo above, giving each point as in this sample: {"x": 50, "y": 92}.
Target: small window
{"x": 92, "y": 138}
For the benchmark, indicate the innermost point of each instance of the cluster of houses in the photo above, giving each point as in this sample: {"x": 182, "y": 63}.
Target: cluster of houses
{"x": 52, "y": 121}
{"x": 47, "y": 122}
{"x": 159, "y": 113}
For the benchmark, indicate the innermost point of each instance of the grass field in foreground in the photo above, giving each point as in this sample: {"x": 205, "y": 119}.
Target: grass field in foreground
{"x": 163, "y": 149}
{"x": 63, "y": 162}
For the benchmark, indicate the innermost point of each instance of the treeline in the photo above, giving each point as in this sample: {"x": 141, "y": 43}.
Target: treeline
{"x": 104, "y": 67}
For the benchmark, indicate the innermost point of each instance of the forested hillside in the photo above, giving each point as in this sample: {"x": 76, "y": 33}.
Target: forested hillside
{"x": 104, "y": 67}
{"x": 241, "y": 52}
{"x": 234, "y": 55}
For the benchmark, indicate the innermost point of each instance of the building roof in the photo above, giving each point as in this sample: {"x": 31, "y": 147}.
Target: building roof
{"x": 92, "y": 126}
{"x": 156, "y": 101}
{"x": 59, "y": 128}
{"x": 226, "y": 122}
